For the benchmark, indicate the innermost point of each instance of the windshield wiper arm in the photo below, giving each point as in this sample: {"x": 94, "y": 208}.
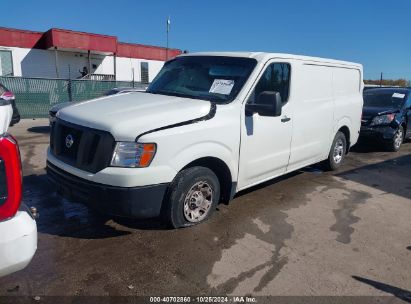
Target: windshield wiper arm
{"x": 173, "y": 93}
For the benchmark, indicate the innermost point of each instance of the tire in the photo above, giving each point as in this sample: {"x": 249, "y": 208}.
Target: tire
{"x": 397, "y": 141}
{"x": 337, "y": 152}
{"x": 198, "y": 185}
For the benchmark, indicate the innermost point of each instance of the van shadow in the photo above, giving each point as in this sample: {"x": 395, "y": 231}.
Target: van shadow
{"x": 314, "y": 169}
{"x": 69, "y": 218}
{"x": 58, "y": 216}
{"x": 367, "y": 147}
{"x": 399, "y": 293}
{"x": 39, "y": 129}
{"x": 390, "y": 176}
{"x": 267, "y": 183}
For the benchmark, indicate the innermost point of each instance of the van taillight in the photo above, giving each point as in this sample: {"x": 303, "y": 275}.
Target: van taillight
{"x": 10, "y": 177}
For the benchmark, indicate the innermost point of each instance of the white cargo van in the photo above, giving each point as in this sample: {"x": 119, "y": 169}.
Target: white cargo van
{"x": 208, "y": 126}
{"x": 18, "y": 230}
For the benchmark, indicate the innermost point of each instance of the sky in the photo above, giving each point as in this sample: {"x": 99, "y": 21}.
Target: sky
{"x": 375, "y": 33}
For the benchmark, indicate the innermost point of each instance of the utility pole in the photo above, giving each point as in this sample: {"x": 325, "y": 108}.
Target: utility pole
{"x": 168, "y": 30}
{"x": 381, "y": 80}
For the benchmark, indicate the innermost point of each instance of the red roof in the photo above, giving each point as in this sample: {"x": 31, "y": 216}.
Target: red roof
{"x": 65, "y": 39}
{"x": 72, "y": 40}
{"x": 130, "y": 50}
{"x": 19, "y": 38}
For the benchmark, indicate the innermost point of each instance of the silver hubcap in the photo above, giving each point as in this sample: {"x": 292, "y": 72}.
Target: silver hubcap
{"x": 398, "y": 139}
{"x": 338, "y": 151}
{"x": 198, "y": 202}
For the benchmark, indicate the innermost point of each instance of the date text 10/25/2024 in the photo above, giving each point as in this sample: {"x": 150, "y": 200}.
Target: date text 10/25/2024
{"x": 203, "y": 299}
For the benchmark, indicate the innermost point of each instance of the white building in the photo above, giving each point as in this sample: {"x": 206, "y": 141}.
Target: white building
{"x": 67, "y": 54}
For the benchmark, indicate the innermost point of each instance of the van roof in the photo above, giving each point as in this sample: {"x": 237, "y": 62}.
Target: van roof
{"x": 262, "y": 56}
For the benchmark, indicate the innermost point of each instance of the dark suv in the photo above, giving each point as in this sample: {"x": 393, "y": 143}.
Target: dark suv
{"x": 6, "y": 94}
{"x": 386, "y": 116}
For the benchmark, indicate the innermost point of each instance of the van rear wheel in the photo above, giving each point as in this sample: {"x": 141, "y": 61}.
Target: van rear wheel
{"x": 337, "y": 152}
{"x": 192, "y": 197}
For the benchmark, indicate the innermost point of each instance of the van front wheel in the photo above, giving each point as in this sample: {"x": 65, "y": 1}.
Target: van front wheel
{"x": 192, "y": 197}
{"x": 337, "y": 152}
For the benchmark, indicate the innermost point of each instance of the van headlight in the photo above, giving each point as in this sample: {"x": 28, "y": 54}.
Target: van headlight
{"x": 133, "y": 155}
{"x": 382, "y": 120}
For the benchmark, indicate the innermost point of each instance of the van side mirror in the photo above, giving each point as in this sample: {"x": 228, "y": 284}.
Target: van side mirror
{"x": 268, "y": 103}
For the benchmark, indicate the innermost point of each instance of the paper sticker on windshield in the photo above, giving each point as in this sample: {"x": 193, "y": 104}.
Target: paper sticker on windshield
{"x": 398, "y": 95}
{"x": 222, "y": 86}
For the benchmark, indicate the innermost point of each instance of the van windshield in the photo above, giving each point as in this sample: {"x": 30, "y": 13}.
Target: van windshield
{"x": 213, "y": 78}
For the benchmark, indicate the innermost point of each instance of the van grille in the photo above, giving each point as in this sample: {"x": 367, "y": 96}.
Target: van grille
{"x": 81, "y": 147}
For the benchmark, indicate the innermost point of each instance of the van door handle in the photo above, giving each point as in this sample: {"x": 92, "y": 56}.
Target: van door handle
{"x": 285, "y": 119}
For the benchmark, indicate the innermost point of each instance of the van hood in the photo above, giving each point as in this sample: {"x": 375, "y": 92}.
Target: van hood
{"x": 128, "y": 115}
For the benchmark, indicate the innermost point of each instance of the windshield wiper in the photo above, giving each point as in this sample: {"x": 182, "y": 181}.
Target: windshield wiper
{"x": 212, "y": 98}
{"x": 168, "y": 93}
{"x": 178, "y": 94}
{"x": 173, "y": 93}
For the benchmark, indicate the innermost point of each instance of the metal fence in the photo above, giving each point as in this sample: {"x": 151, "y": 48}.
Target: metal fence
{"x": 35, "y": 96}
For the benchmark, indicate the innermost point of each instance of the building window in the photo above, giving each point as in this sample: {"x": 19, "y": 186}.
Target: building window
{"x": 6, "y": 63}
{"x": 144, "y": 72}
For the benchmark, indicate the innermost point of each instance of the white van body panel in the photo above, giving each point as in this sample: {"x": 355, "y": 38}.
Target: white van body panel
{"x": 313, "y": 110}
{"x": 324, "y": 96}
{"x": 217, "y": 138}
{"x": 6, "y": 112}
{"x": 328, "y": 97}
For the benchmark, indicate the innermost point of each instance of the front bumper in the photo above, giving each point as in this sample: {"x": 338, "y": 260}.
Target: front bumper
{"x": 18, "y": 242}
{"x": 120, "y": 177}
{"x": 379, "y": 134}
{"x": 133, "y": 202}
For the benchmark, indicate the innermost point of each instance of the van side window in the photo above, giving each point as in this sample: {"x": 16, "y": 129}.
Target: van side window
{"x": 275, "y": 78}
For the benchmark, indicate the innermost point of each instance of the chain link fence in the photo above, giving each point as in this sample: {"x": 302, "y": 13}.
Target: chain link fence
{"x": 35, "y": 96}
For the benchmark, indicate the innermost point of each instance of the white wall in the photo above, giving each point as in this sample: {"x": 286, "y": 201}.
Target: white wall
{"x": 41, "y": 63}
{"x": 154, "y": 67}
{"x": 30, "y": 62}
{"x": 125, "y": 68}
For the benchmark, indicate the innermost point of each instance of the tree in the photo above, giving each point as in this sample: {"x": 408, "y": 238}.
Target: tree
{"x": 388, "y": 82}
